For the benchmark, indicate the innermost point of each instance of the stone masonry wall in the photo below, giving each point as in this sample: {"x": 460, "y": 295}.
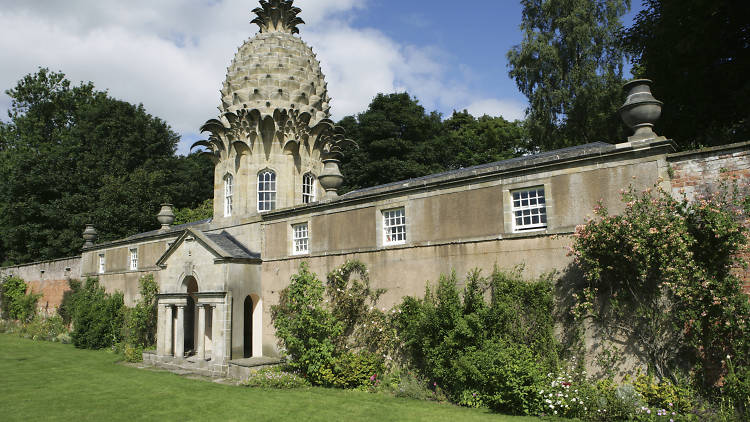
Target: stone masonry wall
{"x": 50, "y": 278}
{"x": 697, "y": 173}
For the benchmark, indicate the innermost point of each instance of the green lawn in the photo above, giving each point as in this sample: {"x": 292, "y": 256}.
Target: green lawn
{"x": 48, "y": 381}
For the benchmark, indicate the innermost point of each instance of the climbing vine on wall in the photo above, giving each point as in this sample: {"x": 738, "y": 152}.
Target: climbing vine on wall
{"x": 661, "y": 274}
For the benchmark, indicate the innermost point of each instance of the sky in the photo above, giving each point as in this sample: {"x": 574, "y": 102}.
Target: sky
{"x": 172, "y": 55}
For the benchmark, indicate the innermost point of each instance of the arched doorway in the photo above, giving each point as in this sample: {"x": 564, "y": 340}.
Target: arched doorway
{"x": 247, "y": 328}
{"x": 191, "y": 286}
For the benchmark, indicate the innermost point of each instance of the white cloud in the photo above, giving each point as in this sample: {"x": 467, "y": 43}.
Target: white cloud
{"x": 171, "y": 55}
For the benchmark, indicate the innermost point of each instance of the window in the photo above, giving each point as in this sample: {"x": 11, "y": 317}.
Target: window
{"x": 134, "y": 259}
{"x": 394, "y": 227}
{"x": 228, "y": 194}
{"x": 266, "y": 191}
{"x": 101, "y": 263}
{"x": 529, "y": 209}
{"x": 301, "y": 239}
{"x": 308, "y": 188}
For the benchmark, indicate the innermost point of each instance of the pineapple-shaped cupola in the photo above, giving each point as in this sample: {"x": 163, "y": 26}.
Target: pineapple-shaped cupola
{"x": 278, "y": 16}
{"x": 274, "y": 124}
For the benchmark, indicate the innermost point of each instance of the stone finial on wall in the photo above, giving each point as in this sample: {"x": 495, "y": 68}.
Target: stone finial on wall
{"x": 89, "y": 236}
{"x": 165, "y": 216}
{"x": 641, "y": 110}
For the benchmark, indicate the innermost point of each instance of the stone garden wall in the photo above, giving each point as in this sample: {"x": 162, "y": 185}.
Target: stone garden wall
{"x": 50, "y": 278}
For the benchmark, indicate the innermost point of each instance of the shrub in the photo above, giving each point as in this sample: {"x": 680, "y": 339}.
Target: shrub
{"x": 139, "y": 328}
{"x": 408, "y": 384}
{"x": 44, "y": 328}
{"x": 660, "y": 275}
{"x": 736, "y": 389}
{"x": 97, "y": 317}
{"x": 664, "y": 394}
{"x": 16, "y": 303}
{"x": 353, "y": 370}
{"x": 507, "y": 376}
{"x": 277, "y": 378}
{"x": 334, "y": 334}
{"x": 65, "y": 310}
{"x": 482, "y": 351}
{"x": 305, "y": 328}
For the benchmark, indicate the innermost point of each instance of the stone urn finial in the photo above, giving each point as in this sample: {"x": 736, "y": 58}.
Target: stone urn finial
{"x": 165, "y": 216}
{"x": 89, "y": 236}
{"x": 331, "y": 178}
{"x": 641, "y": 110}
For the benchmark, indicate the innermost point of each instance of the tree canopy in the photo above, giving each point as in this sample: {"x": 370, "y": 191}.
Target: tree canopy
{"x": 72, "y": 155}
{"x": 698, "y": 54}
{"x": 569, "y": 65}
{"x": 399, "y": 140}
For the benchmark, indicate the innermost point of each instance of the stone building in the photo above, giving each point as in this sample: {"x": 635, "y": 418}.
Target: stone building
{"x": 275, "y": 205}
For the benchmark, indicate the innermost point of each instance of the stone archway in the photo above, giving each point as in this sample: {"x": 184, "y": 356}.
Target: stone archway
{"x": 190, "y": 285}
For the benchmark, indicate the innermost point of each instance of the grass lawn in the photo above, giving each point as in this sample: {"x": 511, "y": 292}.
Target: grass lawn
{"x": 51, "y": 381}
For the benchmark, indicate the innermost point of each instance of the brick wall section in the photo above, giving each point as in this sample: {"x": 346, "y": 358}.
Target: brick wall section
{"x": 50, "y": 278}
{"x": 700, "y": 172}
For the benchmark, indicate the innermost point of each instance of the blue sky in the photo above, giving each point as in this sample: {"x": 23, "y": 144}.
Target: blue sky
{"x": 171, "y": 55}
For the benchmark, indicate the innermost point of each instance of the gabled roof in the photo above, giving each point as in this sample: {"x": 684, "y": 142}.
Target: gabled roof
{"x": 222, "y": 245}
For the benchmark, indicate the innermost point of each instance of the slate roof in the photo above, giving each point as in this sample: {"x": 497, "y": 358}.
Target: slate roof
{"x": 173, "y": 229}
{"x": 594, "y": 148}
{"x": 232, "y": 246}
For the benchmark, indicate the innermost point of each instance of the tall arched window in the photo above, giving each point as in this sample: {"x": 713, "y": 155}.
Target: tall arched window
{"x": 228, "y": 193}
{"x": 266, "y": 191}
{"x": 308, "y": 188}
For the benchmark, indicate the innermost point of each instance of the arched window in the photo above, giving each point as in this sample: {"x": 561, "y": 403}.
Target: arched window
{"x": 266, "y": 191}
{"x": 308, "y": 188}
{"x": 228, "y": 193}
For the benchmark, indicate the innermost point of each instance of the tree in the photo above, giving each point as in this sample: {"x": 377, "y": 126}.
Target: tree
{"x": 399, "y": 140}
{"x": 468, "y": 141}
{"x": 569, "y": 65}
{"x": 72, "y": 155}
{"x": 698, "y": 54}
{"x": 392, "y": 135}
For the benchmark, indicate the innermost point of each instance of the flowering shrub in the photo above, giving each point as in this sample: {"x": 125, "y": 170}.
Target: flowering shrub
{"x": 661, "y": 275}
{"x": 567, "y": 395}
{"x": 275, "y": 378}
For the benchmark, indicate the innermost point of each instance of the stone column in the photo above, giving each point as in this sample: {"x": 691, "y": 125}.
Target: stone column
{"x": 217, "y": 321}
{"x": 179, "y": 338}
{"x": 201, "y": 340}
{"x": 168, "y": 330}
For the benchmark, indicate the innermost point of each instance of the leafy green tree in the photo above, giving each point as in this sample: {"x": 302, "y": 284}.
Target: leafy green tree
{"x": 399, "y": 140}
{"x": 698, "y": 54}
{"x": 188, "y": 215}
{"x": 72, "y": 155}
{"x": 468, "y": 141}
{"x": 569, "y": 65}
{"x": 392, "y": 136}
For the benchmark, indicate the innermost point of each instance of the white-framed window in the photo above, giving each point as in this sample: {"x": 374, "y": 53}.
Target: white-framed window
{"x": 308, "y": 188}
{"x": 102, "y": 263}
{"x": 134, "y": 258}
{"x": 529, "y": 209}
{"x": 266, "y": 191}
{"x": 394, "y": 226}
{"x": 228, "y": 195}
{"x": 301, "y": 239}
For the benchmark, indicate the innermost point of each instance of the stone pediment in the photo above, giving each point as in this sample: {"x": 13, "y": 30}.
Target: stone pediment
{"x": 223, "y": 246}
